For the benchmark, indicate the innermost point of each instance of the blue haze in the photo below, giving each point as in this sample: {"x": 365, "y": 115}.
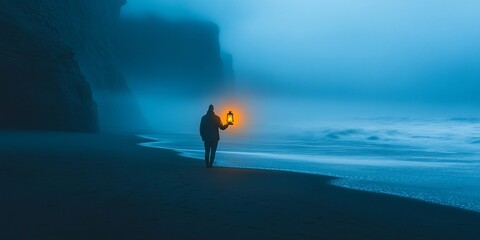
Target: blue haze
{"x": 407, "y": 52}
{"x": 382, "y": 94}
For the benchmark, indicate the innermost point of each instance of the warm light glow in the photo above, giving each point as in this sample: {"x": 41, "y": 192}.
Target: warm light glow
{"x": 239, "y": 117}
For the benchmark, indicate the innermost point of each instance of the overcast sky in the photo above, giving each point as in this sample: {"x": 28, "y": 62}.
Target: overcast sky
{"x": 419, "y": 50}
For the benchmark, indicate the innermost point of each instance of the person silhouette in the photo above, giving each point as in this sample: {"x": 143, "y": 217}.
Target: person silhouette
{"x": 209, "y": 126}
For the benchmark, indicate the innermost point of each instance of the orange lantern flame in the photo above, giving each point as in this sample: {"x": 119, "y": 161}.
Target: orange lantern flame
{"x": 230, "y": 117}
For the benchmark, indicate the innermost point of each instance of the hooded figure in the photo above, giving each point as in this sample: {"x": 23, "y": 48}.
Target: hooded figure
{"x": 210, "y": 135}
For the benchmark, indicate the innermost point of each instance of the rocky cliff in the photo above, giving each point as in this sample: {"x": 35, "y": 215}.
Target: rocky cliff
{"x": 81, "y": 32}
{"x": 41, "y": 85}
{"x": 185, "y": 52}
{"x": 59, "y": 68}
{"x": 90, "y": 27}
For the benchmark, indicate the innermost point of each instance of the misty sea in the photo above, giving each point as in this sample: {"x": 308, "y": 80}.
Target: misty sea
{"x": 435, "y": 160}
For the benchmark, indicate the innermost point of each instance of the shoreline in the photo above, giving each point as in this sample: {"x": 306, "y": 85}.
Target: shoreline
{"x": 68, "y": 185}
{"x": 349, "y": 183}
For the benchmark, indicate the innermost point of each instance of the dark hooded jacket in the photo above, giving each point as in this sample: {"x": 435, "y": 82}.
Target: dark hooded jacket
{"x": 209, "y": 127}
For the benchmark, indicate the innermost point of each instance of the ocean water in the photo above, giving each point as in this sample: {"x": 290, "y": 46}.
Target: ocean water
{"x": 435, "y": 160}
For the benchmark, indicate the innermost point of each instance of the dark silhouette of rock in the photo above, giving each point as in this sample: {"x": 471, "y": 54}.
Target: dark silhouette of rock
{"x": 228, "y": 71}
{"x": 84, "y": 29}
{"x": 41, "y": 84}
{"x": 186, "y": 52}
{"x": 59, "y": 66}
{"x": 89, "y": 27}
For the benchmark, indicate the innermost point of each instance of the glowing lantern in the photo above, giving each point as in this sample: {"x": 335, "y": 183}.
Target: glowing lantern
{"x": 230, "y": 119}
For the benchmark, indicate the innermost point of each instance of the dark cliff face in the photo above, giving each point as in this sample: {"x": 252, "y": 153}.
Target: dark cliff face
{"x": 67, "y": 37}
{"x": 41, "y": 84}
{"x": 89, "y": 27}
{"x": 184, "y": 52}
{"x": 59, "y": 69}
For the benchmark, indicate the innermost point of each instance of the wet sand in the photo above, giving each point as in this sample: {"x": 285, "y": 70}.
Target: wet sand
{"x": 104, "y": 186}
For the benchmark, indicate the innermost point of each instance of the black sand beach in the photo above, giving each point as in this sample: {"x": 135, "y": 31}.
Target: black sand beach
{"x": 100, "y": 186}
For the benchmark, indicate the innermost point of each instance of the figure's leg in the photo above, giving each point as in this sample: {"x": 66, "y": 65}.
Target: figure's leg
{"x": 214, "y": 150}
{"x": 207, "y": 153}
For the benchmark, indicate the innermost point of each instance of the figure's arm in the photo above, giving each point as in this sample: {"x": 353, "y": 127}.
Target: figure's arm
{"x": 221, "y": 126}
